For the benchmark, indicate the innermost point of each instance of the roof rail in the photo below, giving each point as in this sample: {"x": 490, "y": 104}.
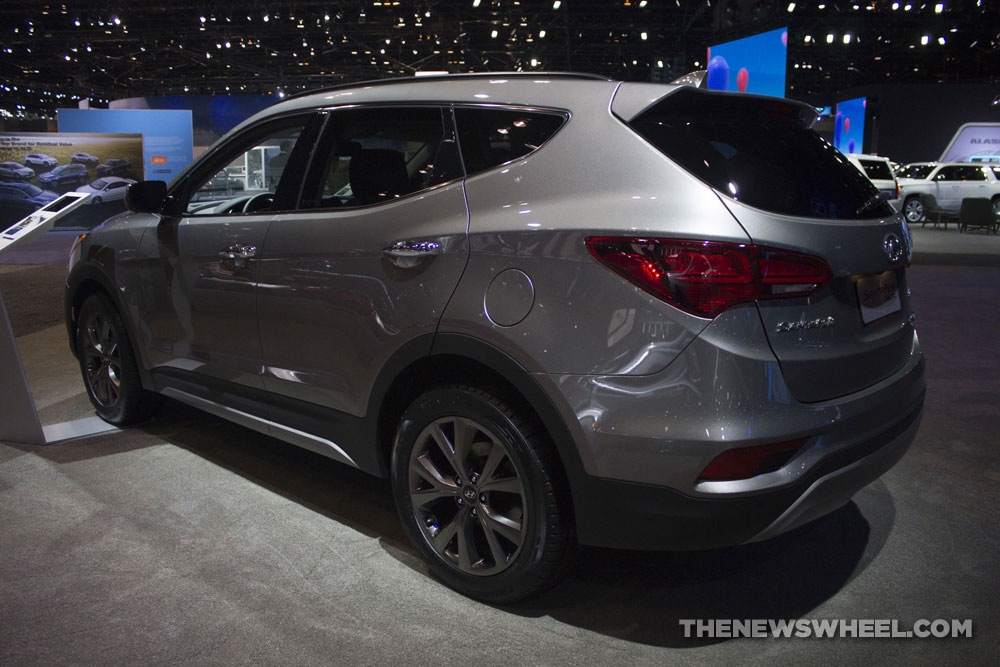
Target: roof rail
{"x": 438, "y": 77}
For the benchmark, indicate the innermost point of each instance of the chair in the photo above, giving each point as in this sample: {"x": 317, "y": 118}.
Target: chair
{"x": 934, "y": 213}
{"x": 977, "y": 212}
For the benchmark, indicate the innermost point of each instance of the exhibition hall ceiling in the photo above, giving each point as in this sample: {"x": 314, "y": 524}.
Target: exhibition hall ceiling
{"x": 52, "y": 54}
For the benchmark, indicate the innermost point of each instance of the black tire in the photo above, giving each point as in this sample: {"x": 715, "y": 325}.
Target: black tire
{"x": 108, "y": 365}
{"x": 95, "y": 200}
{"x": 504, "y": 533}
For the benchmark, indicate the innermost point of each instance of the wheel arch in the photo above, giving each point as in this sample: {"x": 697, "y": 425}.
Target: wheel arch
{"x": 456, "y": 358}
{"x": 83, "y": 282}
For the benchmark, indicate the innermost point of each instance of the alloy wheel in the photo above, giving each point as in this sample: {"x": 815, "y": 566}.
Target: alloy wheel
{"x": 913, "y": 209}
{"x": 467, "y": 495}
{"x": 102, "y": 361}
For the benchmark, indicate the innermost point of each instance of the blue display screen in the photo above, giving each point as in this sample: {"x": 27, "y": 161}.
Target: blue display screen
{"x": 754, "y": 64}
{"x": 849, "y": 128}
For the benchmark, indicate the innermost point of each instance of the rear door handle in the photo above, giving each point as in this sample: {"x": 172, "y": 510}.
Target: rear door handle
{"x": 411, "y": 249}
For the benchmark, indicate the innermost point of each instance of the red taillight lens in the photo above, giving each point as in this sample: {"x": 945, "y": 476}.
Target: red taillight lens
{"x": 747, "y": 462}
{"x": 705, "y": 277}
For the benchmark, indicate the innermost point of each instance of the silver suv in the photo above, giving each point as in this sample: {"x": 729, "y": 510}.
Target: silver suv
{"x": 554, "y": 309}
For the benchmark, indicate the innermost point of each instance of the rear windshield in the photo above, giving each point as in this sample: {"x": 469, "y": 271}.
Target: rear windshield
{"x": 877, "y": 169}
{"x": 916, "y": 171}
{"x": 760, "y": 152}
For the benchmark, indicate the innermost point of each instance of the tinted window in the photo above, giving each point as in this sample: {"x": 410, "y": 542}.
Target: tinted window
{"x": 491, "y": 137}
{"x": 877, "y": 169}
{"x": 98, "y": 184}
{"x": 372, "y": 155}
{"x": 762, "y": 153}
{"x": 960, "y": 173}
{"x": 29, "y": 189}
{"x": 916, "y": 171}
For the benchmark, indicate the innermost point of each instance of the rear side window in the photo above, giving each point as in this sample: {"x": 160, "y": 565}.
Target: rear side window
{"x": 916, "y": 171}
{"x": 490, "y": 137}
{"x": 760, "y": 152}
{"x": 877, "y": 169}
{"x": 371, "y": 155}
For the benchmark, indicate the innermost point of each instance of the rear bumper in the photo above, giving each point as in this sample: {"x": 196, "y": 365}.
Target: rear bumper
{"x": 640, "y": 516}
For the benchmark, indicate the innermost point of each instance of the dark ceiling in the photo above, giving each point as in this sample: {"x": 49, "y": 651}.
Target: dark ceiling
{"x": 53, "y": 54}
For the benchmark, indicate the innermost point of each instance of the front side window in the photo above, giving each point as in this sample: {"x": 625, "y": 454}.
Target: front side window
{"x": 245, "y": 178}
{"x": 372, "y": 155}
{"x": 916, "y": 171}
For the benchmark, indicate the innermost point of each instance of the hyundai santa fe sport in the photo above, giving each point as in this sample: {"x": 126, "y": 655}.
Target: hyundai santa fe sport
{"x": 552, "y": 309}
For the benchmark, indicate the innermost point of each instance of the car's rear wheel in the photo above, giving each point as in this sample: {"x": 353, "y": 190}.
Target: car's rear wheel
{"x": 109, "y": 368}
{"x": 478, "y": 489}
{"x": 913, "y": 209}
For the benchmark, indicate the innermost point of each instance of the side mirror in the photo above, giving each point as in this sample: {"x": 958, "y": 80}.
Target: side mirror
{"x": 146, "y": 196}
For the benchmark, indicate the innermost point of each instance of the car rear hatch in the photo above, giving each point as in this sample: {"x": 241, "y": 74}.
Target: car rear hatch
{"x": 791, "y": 190}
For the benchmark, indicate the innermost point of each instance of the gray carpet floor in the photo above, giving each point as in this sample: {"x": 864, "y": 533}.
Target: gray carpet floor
{"x": 192, "y": 541}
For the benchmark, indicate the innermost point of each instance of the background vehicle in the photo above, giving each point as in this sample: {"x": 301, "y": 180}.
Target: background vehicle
{"x": 879, "y": 171}
{"x": 85, "y": 158}
{"x": 23, "y": 198}
{"x": 67, "y": 175}
{"x": 12, "y": 171}
{"x": 109, "y": 188}
{"x": 40, "y": 161}
{"x": 949, "y": 182}
{"x": 114, "y": 167}
{"x": 680, "y": 325}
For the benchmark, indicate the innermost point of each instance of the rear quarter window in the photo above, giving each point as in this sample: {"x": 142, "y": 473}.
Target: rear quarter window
{"x": 760, "y": 151}
{"x": 491, "y": 137}
{"x": 877, "y": 169}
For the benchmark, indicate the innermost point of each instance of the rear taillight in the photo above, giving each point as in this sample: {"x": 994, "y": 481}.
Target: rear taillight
{"x": 747, "y": 462}
{"x": 706, "y": 277}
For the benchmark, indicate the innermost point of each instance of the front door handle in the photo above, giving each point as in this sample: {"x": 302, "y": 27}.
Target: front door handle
{"x": 236, "y": 256}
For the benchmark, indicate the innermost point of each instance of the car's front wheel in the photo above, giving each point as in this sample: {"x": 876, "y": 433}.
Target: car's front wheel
{"x": 479, "y": 491}
{"x": 95, "y": 200}
{"x": 913, "y": 209}
{"x": 110, "y": 372}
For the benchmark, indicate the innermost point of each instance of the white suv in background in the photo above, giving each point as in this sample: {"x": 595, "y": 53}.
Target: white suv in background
{"x": 949, "y": 182}
{"x": 879, "y": 171}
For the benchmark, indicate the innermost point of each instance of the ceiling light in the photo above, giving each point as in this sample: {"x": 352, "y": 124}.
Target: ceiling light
{"x": 475, "y": 3}
{"x": 556, "y": 4}
{"x": 541, "y": 34}
{"x": 847, "y": 38}
{"x": 494, "y": 34}
{"x": 829, "y": 38}
{"x": 643, "y": 36}
{"x": 791, "y": 7}
{"x": 941, "y": 41}
{"x": 938, "y": 8}
{"x": 925, "y": 39}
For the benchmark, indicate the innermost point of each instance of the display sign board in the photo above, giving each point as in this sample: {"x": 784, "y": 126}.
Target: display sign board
{"x": 849, "y": 131}
{"x": 35, "y": 167}
{"x": 974, "y": 142}
{"x": 41, "y": 220}
{"x": 754, "y": 64}
{"x": 167, "y": 135}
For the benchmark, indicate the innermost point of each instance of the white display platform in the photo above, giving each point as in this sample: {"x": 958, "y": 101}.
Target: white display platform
{"x": 18, "y": 416}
